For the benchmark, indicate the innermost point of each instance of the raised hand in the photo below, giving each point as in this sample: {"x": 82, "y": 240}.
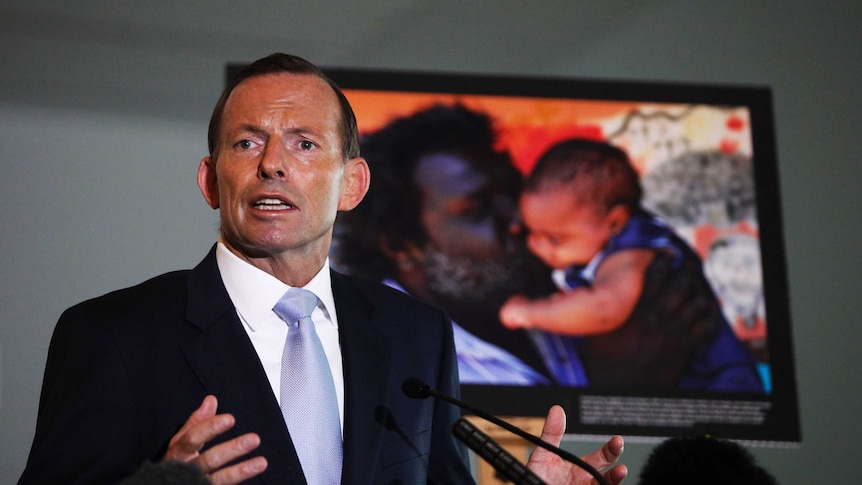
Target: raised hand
{"x": 202, "y": 427}
{"x": 556, "y": 471}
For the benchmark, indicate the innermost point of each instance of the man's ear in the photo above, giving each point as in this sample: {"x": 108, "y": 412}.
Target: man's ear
{"x": 357, "y": 180}
{"x": 208, "y": 182}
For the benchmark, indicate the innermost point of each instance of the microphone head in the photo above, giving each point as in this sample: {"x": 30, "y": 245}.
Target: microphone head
{"x": 415, "y": 388}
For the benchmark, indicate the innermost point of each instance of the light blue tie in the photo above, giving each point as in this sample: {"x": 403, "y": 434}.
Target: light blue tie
{"x": 308, "y": 400}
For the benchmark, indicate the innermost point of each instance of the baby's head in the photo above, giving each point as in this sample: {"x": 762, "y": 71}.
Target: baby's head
{"x": 580, "y": 193}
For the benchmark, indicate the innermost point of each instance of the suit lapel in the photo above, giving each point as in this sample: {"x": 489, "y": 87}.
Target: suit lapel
{"x": 227, "y": 365}
{"x": 367, "y": 365}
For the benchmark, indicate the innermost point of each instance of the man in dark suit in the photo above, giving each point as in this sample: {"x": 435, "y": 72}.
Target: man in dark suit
{"x": 133, "y": 376}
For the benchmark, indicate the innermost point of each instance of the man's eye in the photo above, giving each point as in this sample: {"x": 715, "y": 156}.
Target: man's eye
{"x": 243, "y": 144}
{"x": 306, "y": 145}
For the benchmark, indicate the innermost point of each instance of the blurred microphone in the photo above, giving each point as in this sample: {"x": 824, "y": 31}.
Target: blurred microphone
{"x": 505, "y": 464}
{"x": 168, "y": 473}
{"x": 416, "y": 389}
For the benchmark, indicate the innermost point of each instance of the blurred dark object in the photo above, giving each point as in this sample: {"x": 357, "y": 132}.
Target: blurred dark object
{"x": 168, "y": 473}
{"x": 703, "y": 460}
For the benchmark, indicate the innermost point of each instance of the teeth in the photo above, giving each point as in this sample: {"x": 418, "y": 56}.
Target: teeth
{"x": 272, "y": 204}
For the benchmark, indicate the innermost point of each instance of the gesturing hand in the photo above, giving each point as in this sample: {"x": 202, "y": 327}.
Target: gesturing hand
{"x": 556, "y": 471}
{"x": 201, "y": 427}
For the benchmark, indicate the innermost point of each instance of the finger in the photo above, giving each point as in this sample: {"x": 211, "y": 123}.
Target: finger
{"x": 552, "y": 433}
{"x": 607, "y": 455}
{"x": 240, "y": 472}
{"x": 204, "y": 432}
{"x": 555, "y": 426}
{"x": 186, "y": 445}
{"x": 615, "y": 475}
{"x": 219, "y": 455}
{"x": 206, "y": 410}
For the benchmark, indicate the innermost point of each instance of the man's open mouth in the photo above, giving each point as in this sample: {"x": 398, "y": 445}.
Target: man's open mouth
{"x": 272, "y": 204}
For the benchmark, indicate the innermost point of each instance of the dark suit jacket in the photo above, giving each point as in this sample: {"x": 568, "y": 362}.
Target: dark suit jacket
{"x": 126, "y": 370}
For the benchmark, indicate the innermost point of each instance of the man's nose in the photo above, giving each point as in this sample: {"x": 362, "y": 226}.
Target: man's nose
{"x": 274, "y": 162}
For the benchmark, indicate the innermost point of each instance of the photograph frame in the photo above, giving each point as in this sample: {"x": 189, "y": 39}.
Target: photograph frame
{"x": 770, "y": 419}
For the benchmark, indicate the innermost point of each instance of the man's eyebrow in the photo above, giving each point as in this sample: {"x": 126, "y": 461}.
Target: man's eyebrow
{"x": 263, "y": 132}
{"x": 305, "y": 131}
{"x": 247, "y": 127}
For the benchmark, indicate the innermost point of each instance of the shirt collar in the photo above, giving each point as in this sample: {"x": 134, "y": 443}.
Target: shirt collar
{"x": 255, "y": 292}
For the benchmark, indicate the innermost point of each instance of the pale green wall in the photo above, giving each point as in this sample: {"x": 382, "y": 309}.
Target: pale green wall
{"x": 103, "y": 109}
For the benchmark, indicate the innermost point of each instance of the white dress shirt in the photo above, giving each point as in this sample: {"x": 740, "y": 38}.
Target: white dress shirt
{"x": 255, "y": 292}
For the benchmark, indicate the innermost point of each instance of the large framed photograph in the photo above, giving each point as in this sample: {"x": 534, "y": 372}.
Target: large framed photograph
{"x": 696, "y": 340}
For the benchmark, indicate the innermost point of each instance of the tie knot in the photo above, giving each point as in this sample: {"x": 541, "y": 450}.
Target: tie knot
{"x": 296, "y": 304}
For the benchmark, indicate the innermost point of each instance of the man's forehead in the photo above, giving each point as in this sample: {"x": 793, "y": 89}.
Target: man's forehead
{"x": 304, "y": 98}
{"x": 282, "y": 86}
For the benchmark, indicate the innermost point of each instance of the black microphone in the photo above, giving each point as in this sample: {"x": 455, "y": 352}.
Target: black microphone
{"x": 416, "y": 389}
{"x": 505, "y": 464}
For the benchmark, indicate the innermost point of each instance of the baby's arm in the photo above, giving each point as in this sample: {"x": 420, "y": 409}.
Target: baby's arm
{"x": 586, "y": 311}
